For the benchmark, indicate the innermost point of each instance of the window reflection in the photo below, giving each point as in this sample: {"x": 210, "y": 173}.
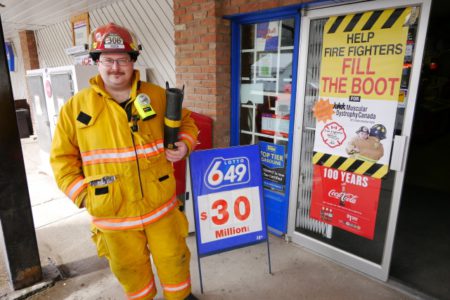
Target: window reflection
{"x": 265, "y": 93}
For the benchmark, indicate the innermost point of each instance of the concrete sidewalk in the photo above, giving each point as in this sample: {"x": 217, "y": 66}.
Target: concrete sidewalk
{"x": 73, "y": 271}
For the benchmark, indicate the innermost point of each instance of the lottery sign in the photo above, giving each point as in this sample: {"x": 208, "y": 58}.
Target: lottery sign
{"x": 228, "y": 202}
{"x": 227, "y": 172}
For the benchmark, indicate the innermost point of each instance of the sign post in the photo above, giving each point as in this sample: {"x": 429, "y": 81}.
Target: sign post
{"x": 228, "y": 200}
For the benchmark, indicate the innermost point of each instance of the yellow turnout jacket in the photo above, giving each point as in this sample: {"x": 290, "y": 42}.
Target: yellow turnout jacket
{"x": 122, "y": 174}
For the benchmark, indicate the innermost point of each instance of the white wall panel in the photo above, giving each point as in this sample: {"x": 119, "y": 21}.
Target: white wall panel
{"x": 17, "y": 77}
{"x": 51, "y": 42}
{"x": 151, "y": 21}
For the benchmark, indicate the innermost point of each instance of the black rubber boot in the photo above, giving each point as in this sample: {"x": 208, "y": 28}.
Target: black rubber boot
{"x": 191, "y": 297}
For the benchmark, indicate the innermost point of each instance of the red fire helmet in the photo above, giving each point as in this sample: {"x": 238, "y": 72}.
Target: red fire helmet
{"x": 113, "y": 38}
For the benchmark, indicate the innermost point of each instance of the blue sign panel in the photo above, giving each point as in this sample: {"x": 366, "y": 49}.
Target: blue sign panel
{"x": 228, "y": 198}
{"x": 10, "y": 56}
{"x": 273, "y": 166}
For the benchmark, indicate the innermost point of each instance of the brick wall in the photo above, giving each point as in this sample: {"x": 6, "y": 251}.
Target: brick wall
{"x": 29, "y": 50}
{"x": 30, "y": 62}
{"x": 202, "y": 55}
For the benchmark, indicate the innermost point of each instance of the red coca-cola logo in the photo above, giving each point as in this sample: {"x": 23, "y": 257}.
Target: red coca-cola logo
{"x": 343, "y": 196}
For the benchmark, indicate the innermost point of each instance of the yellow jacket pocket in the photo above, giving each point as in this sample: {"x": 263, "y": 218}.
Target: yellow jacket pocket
{"x": 104, "y": 196}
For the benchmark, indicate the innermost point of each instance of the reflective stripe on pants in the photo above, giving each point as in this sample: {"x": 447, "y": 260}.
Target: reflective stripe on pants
{"x": 129, "y": 257}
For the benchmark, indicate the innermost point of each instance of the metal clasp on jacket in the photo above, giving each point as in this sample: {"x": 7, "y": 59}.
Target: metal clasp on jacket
{"x": 134, "y": 126}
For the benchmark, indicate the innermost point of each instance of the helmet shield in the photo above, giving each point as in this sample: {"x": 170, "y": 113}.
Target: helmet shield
{"x": 113, "y": 38}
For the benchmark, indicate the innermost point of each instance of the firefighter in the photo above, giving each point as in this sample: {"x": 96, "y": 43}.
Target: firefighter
{"x": 108, "y": 159}
{"x": 367, "y": 144}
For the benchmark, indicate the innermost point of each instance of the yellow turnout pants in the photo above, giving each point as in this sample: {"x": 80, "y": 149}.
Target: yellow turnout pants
{"x": 128, "y": 252}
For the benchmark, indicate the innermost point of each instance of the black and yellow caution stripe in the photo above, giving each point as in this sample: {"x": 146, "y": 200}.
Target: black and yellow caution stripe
{"x": 378, "y": 19}
{"x": 350, "y": 164}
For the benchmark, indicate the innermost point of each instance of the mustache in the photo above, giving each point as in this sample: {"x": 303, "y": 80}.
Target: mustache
{"x": 116, "y": 73}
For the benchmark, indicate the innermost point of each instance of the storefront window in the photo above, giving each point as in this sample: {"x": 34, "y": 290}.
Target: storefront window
{"x": 265, "y": 86}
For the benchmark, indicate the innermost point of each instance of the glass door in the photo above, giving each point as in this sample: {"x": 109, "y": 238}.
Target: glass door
{"x": 62, "y": 86}
{"x": 39, "y": 104}
{"x": 264, "y": 111}
{"x": 358, "y": 78}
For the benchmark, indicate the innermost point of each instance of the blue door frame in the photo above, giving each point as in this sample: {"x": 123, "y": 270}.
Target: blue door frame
{"x": 277, "y": 206}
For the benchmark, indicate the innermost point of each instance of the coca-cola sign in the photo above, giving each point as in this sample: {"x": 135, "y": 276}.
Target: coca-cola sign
{"x": 346, "y": 200}
{"x": 343, "y": 196}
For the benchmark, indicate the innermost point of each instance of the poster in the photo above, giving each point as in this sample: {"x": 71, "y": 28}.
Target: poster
{"x": 252, "y": 93}
{"x": 273, "y": 124}
{"x": 265, "y": 65}
{"x": 345, "y": 200}
{"x": 359, "y": 91}
{"x": 361, "y": 70}
{"x": 273, "y": 166}
{"x": 80, "y": 30}
{"x": 228, "y": 201}
{"x": 267, "y": 36}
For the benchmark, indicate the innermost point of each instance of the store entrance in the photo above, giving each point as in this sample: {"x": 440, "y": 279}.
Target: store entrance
{"x": 420, "y": 257}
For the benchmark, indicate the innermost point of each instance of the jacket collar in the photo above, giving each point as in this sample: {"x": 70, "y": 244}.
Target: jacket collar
{"x": 94, "y": 108}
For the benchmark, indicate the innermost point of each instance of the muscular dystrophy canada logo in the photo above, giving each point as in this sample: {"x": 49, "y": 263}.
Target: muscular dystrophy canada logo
{"x": 224, "y": 172}
{"x": 353, "y": 112}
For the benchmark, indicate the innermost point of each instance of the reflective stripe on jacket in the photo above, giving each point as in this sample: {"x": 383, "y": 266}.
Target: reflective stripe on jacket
{"x": 123, "y": 175}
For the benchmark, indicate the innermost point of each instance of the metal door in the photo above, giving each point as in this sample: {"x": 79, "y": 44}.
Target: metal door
{"x": 324, "y": 214}
{"x": 62, "y": 87}
{"x": 37, "y": 94}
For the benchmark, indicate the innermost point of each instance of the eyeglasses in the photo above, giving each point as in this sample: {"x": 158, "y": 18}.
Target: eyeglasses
{"x": 109, "y": 62}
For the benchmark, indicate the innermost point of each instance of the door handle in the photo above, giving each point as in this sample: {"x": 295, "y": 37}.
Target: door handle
{"x": 398, "y": 153}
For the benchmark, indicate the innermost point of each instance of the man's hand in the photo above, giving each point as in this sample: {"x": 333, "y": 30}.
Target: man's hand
{"x": 175, "y": 155}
